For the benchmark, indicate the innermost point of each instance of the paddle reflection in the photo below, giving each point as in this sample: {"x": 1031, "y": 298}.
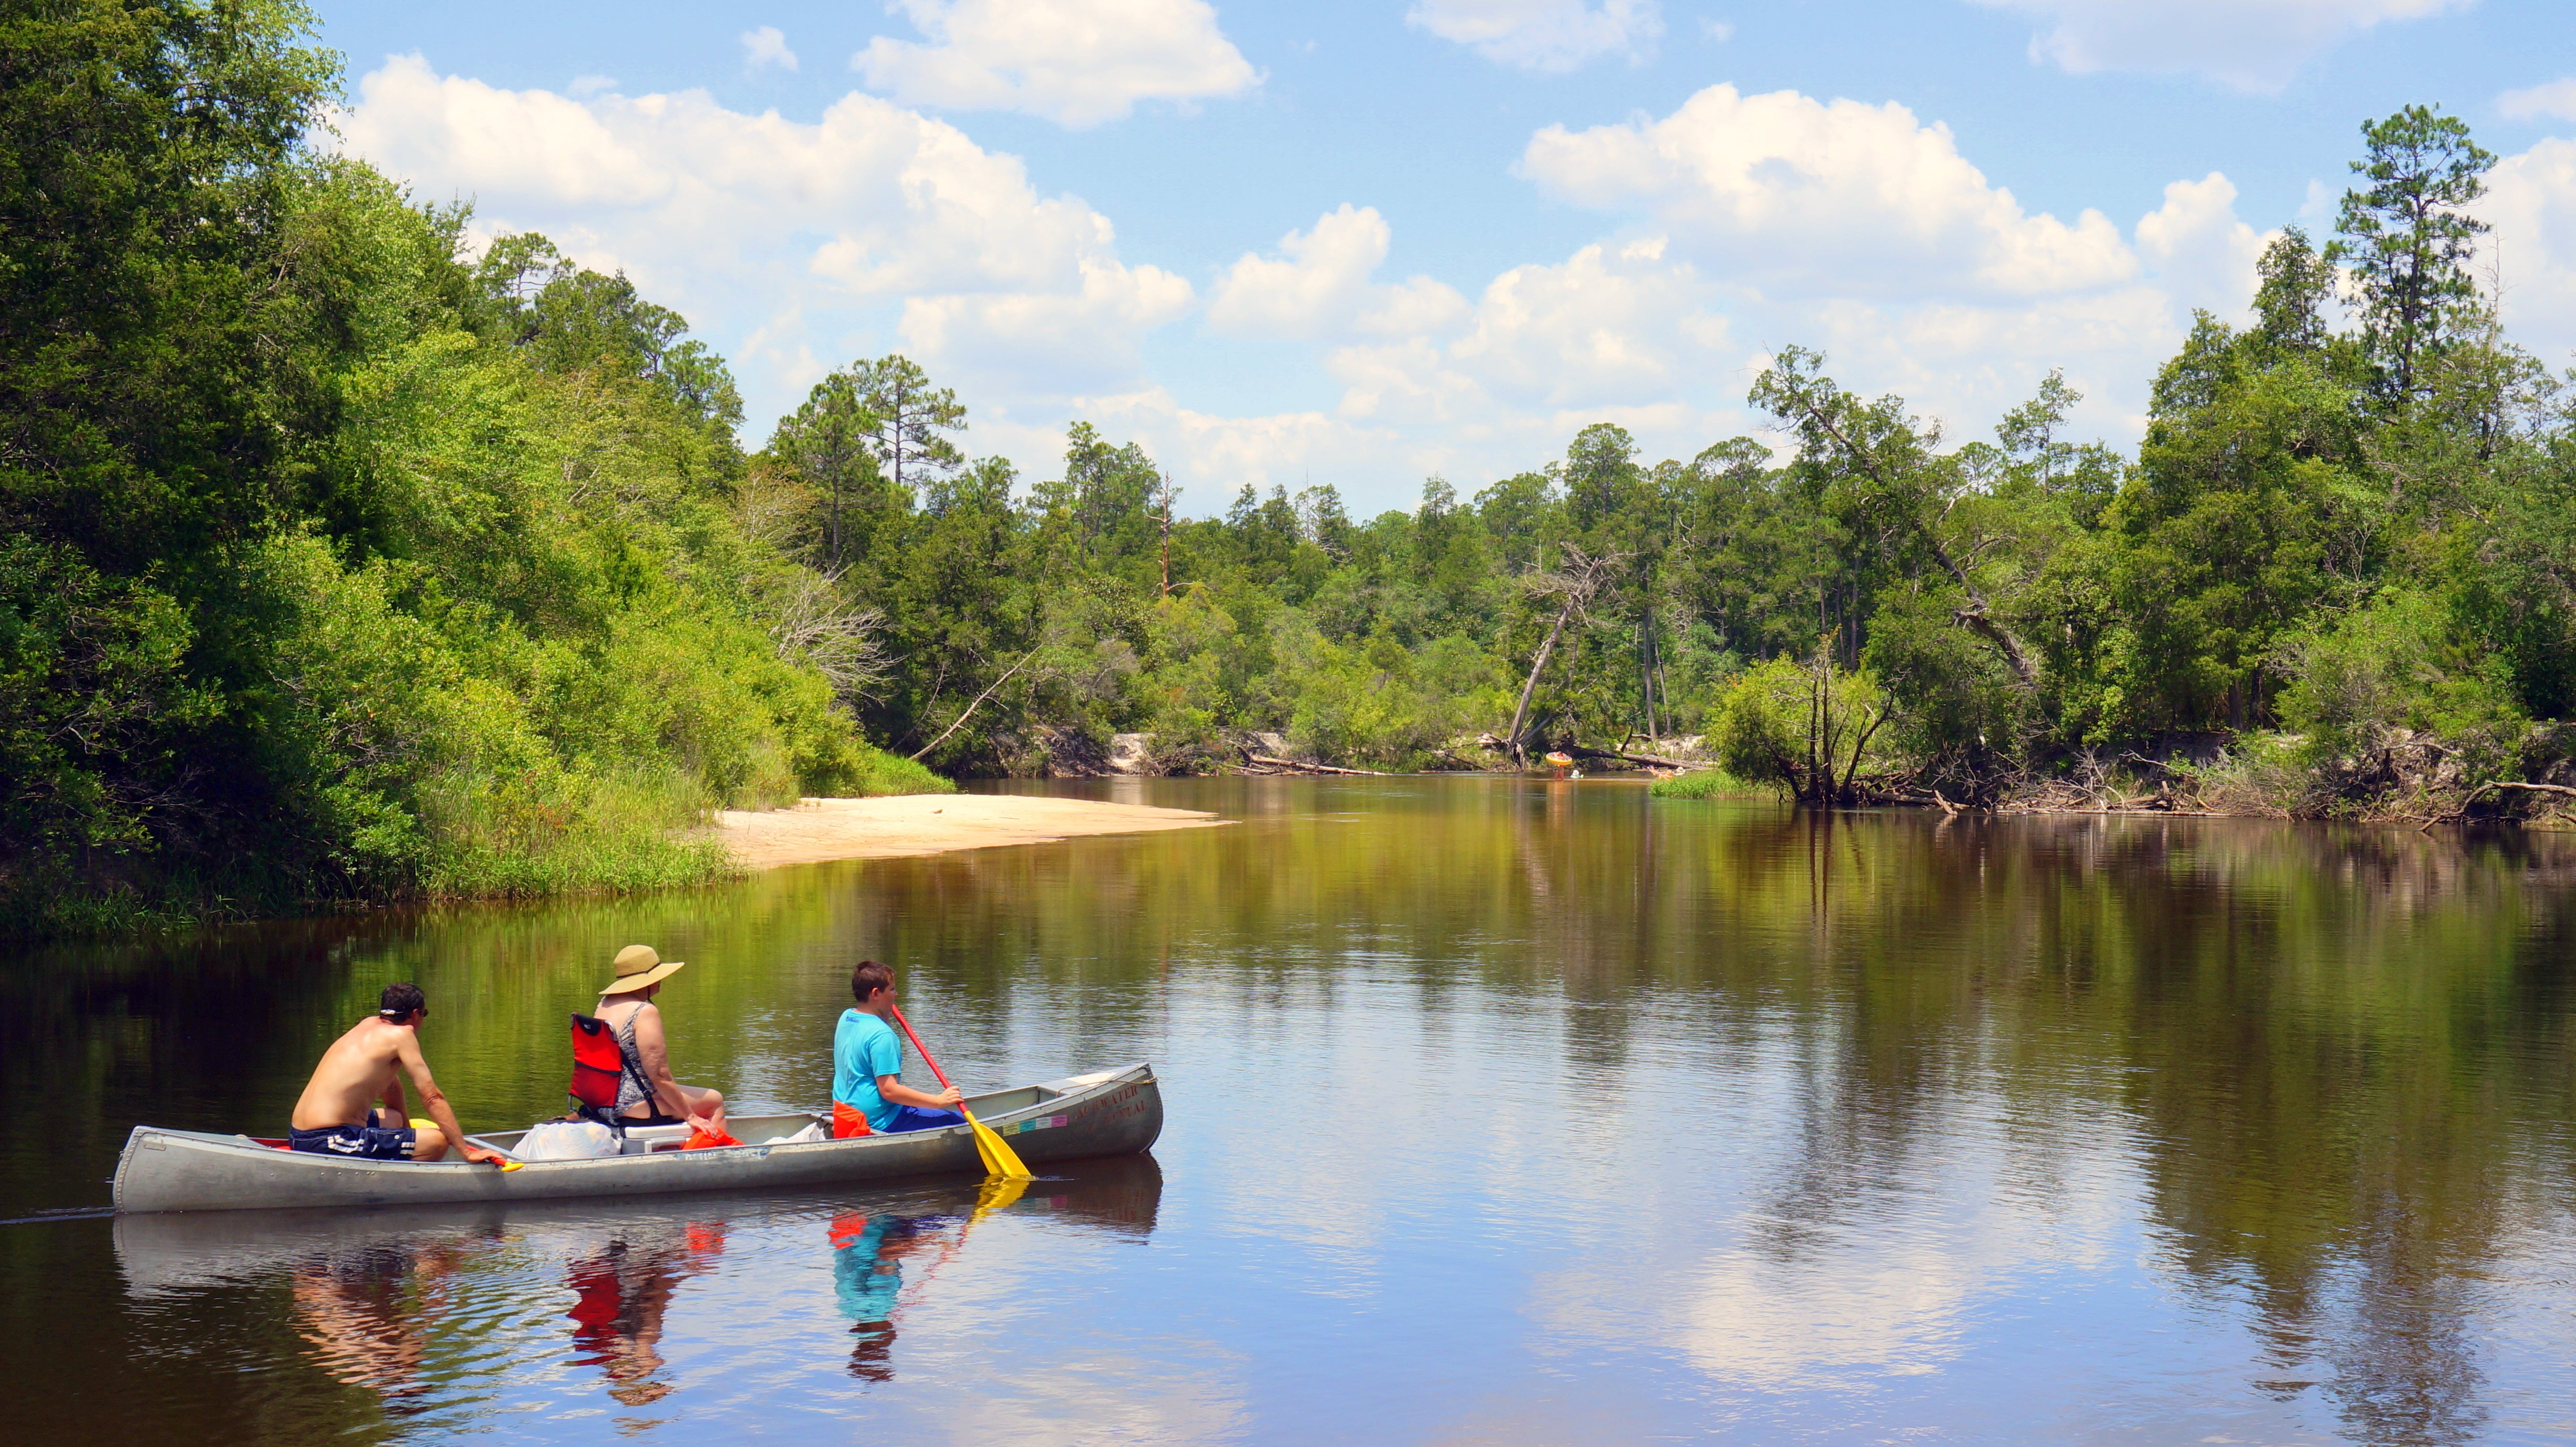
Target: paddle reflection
{"x": 621, "y": 1291}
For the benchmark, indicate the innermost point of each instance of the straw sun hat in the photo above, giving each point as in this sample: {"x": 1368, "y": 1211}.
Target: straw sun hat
{"x": 638, "y": 967}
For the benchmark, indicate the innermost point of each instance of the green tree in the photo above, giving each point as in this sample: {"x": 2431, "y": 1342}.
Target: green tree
{"x": 827, "y": 440}
{"x": 2409, "y": 239}
{"x": 2246, "y": 513}
{"x": 2289, "y": 301}
{"x": 910, "y": 416}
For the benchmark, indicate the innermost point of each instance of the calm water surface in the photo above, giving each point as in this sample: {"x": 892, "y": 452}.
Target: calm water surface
{"x": 1498, "y": 1111}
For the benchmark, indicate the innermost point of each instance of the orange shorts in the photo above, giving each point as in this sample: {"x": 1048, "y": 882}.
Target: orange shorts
{"x": 847, "y": 1121}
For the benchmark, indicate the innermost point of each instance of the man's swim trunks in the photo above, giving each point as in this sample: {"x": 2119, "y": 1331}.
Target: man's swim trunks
{"x": 358, "y": 1142}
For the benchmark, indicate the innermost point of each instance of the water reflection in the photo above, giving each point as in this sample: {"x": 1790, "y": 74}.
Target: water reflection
{"x": 867, "y": 1276}
{"x": 620, "y": 1292}
{"x": 2003, "y": 1129}
{"x": 433, "y": 1312}
{"x": 367, "y": 1313}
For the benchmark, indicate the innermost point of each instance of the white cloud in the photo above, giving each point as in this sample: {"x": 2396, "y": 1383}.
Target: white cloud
{"x": 2196, "y": 246}
{"x": 1601, "y": 328}
{"x": 795, "y": 247}
{"x": 2555, "y": 101}
{"x": 1050, "y": 342}
{"x": 1416, "y": 306}
{"x": 767, "y": 46}
{"x": 2250, "y": 45}
{"x": 1075, "y": 62}
{"x": 1783, "y": 191}
{"x": 1965, "y": 365}
{"x": 1611, "y": 334}
{"x": 1210, "y": 456}
{"x": 1543, "y": 34}
{"x": 2531, "y": 203}
{"x": 1864, "y": 231}
{"x": 1318, "y": 285}
{"x": 1314, "y": 283}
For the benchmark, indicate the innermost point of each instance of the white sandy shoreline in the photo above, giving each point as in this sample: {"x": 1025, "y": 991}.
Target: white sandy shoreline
{"x": 910, "y": 824}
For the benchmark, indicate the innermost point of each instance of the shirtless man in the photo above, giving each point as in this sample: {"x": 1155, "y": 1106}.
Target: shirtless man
{"x": 333, "y": 1117}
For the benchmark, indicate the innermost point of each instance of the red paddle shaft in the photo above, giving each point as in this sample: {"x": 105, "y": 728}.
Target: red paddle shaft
{"x": 917, "y": 1045}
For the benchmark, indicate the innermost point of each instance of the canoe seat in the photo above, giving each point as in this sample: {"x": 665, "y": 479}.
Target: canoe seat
{"x": 598, "y": 1067}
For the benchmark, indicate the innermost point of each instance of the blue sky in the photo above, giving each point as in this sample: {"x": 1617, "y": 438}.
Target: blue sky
{"x": 1364, "y": 243}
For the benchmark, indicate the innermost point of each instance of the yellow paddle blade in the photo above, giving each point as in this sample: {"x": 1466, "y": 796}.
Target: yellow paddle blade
{"x": 999, "y": 1158}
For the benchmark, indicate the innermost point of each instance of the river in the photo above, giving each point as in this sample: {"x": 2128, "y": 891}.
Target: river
{"x": 1499, "y": 1110}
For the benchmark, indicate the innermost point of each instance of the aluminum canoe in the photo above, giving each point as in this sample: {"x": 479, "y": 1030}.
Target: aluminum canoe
{"x": 1105, "y": 1113}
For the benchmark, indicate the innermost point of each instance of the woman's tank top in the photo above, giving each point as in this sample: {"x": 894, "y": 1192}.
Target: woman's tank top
{"x": 630, "y": 1087}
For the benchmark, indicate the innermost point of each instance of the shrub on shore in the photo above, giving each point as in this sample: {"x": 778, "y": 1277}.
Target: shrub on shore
{"x": 1711, "y": 784}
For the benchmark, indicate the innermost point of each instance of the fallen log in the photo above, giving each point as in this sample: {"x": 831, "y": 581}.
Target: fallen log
{"x": 1658, "y": 761}
{"x": 1294, "y": 766}
{"x": 2461, "y": 814}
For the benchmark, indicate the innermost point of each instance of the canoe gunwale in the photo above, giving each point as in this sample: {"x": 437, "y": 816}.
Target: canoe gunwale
{"x": 1098, "y": 1113}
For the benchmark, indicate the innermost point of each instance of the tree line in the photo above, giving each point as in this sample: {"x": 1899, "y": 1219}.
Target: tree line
{"x": 2348, "y": 523}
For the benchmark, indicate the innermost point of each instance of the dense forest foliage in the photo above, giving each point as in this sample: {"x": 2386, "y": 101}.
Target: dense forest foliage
{"x": 342, "y": 559}
{"x": 335, "y": 563}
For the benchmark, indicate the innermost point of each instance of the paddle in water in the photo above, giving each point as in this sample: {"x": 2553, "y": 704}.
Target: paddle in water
{"x": 999, "y": 1159}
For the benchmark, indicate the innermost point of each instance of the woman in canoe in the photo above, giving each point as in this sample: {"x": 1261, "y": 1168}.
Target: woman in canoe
{"x": 627, "y": 1008}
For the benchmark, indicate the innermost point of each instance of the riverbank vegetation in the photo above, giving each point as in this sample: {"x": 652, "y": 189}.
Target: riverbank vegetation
{"x": 336, "y": 564}
{"x": 344, "y": 560}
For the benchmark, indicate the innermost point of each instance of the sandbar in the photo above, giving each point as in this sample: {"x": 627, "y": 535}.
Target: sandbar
{"x": 907, "y": 824}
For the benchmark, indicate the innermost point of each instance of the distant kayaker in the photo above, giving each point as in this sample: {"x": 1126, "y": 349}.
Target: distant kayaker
{"x": 627, "y": 1007}
{"x": 868, "y": 1093}
{"x": 333, "y": 1117}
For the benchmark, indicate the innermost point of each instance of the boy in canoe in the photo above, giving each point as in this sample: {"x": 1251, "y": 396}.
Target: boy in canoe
{"x": 332, "y": 1117}
{"x": 868, "y": 1093}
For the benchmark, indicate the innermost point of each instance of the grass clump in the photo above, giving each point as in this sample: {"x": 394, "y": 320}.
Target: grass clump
{"x": 1710, "y": 784}
{"x": 873, "y": 772}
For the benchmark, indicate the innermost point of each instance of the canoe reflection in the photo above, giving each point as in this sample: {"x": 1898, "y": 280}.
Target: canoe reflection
{"x": 414, "y": 1305}
{"x": 620, "y": 1292}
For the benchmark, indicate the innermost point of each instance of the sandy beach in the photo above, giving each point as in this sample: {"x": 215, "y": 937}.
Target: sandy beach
{"x": 819, "y": 829}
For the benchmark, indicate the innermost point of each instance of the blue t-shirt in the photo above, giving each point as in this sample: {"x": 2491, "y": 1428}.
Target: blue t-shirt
{"x": 863, "y": 1048}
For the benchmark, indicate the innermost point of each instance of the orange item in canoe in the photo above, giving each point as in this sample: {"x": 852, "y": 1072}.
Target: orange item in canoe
{"x": 699, "y": 1140}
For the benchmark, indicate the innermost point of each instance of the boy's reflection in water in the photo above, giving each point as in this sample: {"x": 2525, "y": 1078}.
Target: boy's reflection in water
{"x": 867, "y": 1268}
{"x": 867, "y": 1276}
{"x": 622, "y": 1290}
{"x": 367, "y": 1314}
